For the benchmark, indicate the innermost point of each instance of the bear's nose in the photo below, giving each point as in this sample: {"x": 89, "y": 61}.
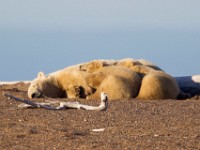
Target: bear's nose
{"x": 33, "y": 95}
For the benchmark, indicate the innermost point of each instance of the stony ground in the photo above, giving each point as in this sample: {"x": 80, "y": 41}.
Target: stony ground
{"x": 127, "y": 124}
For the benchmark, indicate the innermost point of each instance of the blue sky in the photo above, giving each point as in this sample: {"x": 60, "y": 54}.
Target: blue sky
{"x": 49, "y": 35}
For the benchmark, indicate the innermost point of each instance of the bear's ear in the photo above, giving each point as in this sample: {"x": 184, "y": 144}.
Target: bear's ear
{"x": 41, "y": 74}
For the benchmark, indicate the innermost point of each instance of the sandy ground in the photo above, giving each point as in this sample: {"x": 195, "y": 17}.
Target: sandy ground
{"x": 127, "y": 124}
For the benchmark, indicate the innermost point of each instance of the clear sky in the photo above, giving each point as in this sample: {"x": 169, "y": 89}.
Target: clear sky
{"x": 47, "y": 35}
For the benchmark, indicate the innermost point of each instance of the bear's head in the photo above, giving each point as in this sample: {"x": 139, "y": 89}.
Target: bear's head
{"x": 128, "y": 62}
{"x": 92, "y": 66}
{"x": 44, "y": 86}
{"x": 95, "y": 65}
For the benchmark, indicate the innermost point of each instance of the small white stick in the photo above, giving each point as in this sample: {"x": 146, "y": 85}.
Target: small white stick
{"x": 102, "y": 107}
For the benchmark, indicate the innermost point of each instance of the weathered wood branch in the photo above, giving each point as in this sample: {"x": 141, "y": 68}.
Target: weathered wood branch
{"x": 30, "y": 103}
{"x": 63, "y": 105}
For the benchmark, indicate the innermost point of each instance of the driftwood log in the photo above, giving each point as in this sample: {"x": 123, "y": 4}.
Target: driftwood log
{"x": 63, "y": 105}
{"x": 189, "y": 84}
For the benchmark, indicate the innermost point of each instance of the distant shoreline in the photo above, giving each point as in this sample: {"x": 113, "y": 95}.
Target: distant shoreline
{"x": 13, "y": 82}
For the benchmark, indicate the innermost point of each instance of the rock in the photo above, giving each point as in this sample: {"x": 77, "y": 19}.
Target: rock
{"x": 189, "y": 84}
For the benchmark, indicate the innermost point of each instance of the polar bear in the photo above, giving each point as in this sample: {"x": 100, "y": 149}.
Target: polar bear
{"x": 69, "y": 82}
{"x": 146, "y": 65}
{"x": 96, "y": 64}
{"x": 118, "y": 82}
{"x": 156, "y": 84}
{"x": 127, "y": 78}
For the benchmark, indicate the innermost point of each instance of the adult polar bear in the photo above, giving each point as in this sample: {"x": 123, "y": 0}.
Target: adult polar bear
{"x": 69, "y": 82}
{"x": 155, "y": 83}
{"x": 118, "y": 82}
{"x": 117, "y": 78}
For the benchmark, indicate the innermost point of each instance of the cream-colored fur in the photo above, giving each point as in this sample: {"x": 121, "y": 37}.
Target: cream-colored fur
{"x": 121, "y": 79}
{"x": 130, "y": 62}
{"x": 69, "y": 82}
{"x": 95, "y": 65}
{"x": 156, "y": 84}
{"x": 118, "y": 82}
